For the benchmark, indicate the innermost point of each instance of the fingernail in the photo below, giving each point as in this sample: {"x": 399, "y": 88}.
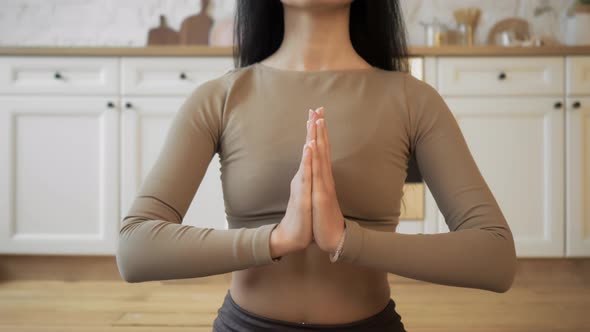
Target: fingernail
{"x": 310, "y": 114}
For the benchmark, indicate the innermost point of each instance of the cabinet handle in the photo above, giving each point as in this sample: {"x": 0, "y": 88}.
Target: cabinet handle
{"x": 182, "y": 76}
{"x": 557, "y": 105}
{"x": 128, "y": 105}
{"x": 576, "y": 104}
{"x": 110, "y": 104}
{"x": 57, "y": 76}
{"x": 502, "y": 76}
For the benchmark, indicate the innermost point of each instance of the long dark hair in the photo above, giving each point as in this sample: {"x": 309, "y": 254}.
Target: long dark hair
{"x": 377, "y": 32}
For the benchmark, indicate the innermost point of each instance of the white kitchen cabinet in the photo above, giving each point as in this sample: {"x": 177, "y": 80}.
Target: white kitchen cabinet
{"x": 170, "y": 76}
{"x": 578, "y": 177}
{"x": 578, "y": 76}
{"x": 153, "y": 91}
{"x": 578, "y": 157}
{"x": 36, "y": 75}
{"x": 417, "y": 67}
{"x": 59, "y": 165}
{"x": 145, "y": 124}
{"x": 70, "y": 165}
{"x": 499, "y": 76}
{"x": 518, "y": 145}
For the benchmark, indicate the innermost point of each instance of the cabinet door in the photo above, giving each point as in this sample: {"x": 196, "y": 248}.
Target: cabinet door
{"x": 578, "y": 177}
{"x": 518, "y": 145}
{"x": 417, "y": 67}
{"x": 59, "y": 173}
{"x": 578, "y": 75}
{"x": 145, "y": 124}
{"x": 170, "y": 76}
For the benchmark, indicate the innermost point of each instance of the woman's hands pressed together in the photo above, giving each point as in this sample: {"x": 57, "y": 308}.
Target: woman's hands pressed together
{"x": 328, "y": 221}
{"x": 313, "y": 212}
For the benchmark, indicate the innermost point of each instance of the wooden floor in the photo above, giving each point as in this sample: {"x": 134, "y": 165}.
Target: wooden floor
{"x": 548, "y": 295}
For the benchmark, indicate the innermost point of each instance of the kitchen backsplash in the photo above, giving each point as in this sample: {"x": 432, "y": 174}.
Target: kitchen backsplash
{"x": 126, "y": 22}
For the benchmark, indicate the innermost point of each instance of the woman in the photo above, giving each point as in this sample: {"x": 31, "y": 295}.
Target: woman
{"x": 312, "y": 211}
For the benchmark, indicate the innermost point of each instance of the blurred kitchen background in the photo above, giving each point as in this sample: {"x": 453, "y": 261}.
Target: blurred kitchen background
{"x": 88, "y": 89}
{"x": 124, "y": 23}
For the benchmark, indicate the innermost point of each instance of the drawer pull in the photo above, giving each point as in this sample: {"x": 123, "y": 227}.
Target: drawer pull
{"x": 57, "y": 76}
{"x": 110, "y": 104}
{"x": 557, "y": 105}
{"x": 502, "y": 76}
{"x": 128, "y": 105}
{"x": 576, "y": 105}
{"x": 182, "y": 76}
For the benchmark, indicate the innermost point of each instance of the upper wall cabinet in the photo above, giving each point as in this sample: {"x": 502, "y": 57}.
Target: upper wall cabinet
{"x": 59, "y": 75}
{"x": 501, "y": 76}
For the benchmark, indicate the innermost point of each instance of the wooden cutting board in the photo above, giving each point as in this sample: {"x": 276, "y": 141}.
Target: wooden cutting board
{"x": 163, "y": 35}
{"x": 194, "y": 30}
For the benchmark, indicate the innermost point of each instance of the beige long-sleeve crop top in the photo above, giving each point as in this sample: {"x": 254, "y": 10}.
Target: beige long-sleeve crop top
{"x": 255, "y": 117}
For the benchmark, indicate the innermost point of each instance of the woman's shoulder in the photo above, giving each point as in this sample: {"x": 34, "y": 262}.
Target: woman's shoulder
{"x": 222, "y": 82}
{"x": 405, "y": 80}
{"x": 415, "y": 85}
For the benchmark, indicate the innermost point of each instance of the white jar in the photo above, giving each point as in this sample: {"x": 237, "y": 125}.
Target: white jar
{"x": 582, "y": 28}
{"x": 582, "y": 24}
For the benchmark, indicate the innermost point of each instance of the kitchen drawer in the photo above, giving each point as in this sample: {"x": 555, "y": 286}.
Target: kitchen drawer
{"x": 59, "y": 75}
{"x": 176, "y": 76}
{"x": 578, "y": 72}
{"x": 509, "y": 76}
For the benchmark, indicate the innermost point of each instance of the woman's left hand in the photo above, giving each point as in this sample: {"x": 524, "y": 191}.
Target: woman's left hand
{"x": 328, "y": 221}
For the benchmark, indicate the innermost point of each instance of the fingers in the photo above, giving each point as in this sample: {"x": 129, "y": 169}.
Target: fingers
{"x": 306, "y": 163}
{"x": 315, "y": 160}
{"x": 309, "y": 120}
{"x": 323, "y": 150}
{"x": 307, "y": 133}
{"x": 325, "y": 131}
{"x": 319, "y": 155}
{"x": 312, "y": 125}
{"x": 327, "y": 165}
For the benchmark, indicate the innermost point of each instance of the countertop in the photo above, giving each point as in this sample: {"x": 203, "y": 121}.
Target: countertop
{"x": 227, "y": 51}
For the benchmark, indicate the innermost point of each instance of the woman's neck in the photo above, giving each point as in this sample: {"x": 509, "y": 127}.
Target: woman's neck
{"x": 316, "y": 38}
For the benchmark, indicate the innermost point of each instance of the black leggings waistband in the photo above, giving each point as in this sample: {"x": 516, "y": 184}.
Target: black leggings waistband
{"x": 231, "y": 317}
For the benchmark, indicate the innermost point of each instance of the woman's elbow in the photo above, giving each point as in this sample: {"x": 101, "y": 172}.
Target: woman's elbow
{"x": 127, "y": 264}
{"x": 504, "y": 282}
{"x": 129, "y": 256}
{"x": 506, "y": 275}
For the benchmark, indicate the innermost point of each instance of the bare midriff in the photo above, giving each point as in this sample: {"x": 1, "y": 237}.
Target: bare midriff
{"x": 305, "y": 287}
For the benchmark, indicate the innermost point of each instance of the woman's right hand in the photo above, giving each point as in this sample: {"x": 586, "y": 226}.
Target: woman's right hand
{"x": 295, "y": 231}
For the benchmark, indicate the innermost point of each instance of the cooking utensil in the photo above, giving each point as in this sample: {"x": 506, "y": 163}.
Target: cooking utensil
{"x": 467, "y": 20}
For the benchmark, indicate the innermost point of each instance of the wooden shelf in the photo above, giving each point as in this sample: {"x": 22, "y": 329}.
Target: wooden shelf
{"x": 227, "y": 51}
